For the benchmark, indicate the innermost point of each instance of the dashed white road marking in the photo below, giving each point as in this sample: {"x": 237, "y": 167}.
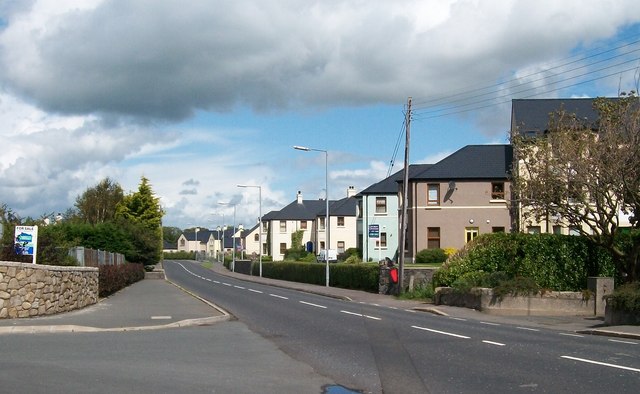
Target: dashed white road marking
{"x": 255, "y": 291}
{"x": 226, "y": 284}
{"x": 619, "y": 341}
{"x": 361, "y": 315}
{"x": 161, "y": 317}
{"x": 216, "y": 281}
{"x": 239, "y": 287}
{"x": 493, "y": 343}
{"x": 566, "y": 334}
{"x": 314, "y": 305}
{"x": 279, "y": 296}
{"x": 489, "y": 323}
{"x": 527, "y": 329}
{"x": 440, "y": 332}
{"x": 584, "y": 360}
{"x": 457, "y": 318}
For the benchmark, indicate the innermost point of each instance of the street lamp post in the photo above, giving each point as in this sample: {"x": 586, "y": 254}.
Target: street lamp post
{"x": 233, "y": 236}
{"x": 218, "y": 231}
{"x": 326, "y": 222}
{"x": 197, "y": 243}
{"x": 259, "y": 223}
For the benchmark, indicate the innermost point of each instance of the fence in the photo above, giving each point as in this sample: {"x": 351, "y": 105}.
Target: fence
{"x": 95, "y": 258}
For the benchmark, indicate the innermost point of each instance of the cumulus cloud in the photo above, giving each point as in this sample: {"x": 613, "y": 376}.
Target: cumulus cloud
{"x": 153, "y": 60}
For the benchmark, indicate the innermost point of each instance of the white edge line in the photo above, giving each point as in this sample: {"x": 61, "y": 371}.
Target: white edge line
{"x": 310, "y": 304}
{"x": 584, "y": 360}
{"x": 566, "y": 334}
{"x": 440, "y": 332}
{"x": 626, "y": 342}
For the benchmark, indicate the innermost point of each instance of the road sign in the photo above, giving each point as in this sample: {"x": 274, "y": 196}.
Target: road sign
{"x": 374, "y": 231}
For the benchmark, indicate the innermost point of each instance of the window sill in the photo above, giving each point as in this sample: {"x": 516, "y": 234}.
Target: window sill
{"x": 498, "y": 201}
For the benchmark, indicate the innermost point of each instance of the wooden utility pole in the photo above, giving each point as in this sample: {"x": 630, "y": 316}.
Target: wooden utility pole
{"x": 405, "y": 199}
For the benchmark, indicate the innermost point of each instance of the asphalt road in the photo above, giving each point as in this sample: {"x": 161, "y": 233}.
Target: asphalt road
{"x": 381, "y": 349}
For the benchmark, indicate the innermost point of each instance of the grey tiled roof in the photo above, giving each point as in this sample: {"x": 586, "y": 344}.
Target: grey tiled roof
{"x": 471, "y": 162}
{"x": 389, "y": 185}
{"x": 532, "y": 115}
{"x": 306, "y": 210}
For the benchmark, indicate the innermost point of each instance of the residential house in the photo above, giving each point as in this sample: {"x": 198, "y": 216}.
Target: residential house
{"x": 378, "y": 209}
{"x": 251, "y": 242}
{"x": 531, "y": 117}
{"x": 309, "y": 217}
{"x": 453, "y": 201}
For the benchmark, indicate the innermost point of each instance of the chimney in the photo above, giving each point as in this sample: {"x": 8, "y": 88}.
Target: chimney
{"x": 351, "y": 191}
{"x": 299, "y": 197}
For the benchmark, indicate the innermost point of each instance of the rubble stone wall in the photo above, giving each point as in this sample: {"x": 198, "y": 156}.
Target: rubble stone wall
{"x": 28, "y": 290}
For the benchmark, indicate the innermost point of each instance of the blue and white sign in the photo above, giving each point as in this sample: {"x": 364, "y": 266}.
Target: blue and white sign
{"x": 26, "y": 241}
{"x": 374, "y": 231}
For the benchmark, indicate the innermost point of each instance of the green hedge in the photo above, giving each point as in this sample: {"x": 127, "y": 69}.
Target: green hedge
{"x": 116, "y": 277}
{"x": 181, "y": 255}
{"x": 555, "y": 262}
{"x": 626, "y": 298}
{"x": 349, "y": 276}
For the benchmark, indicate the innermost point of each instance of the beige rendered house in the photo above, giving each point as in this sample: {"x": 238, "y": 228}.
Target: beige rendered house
{"x": 455, "y": 200}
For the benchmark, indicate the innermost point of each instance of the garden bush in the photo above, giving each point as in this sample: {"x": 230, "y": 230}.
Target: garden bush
{"x": 116, "y": 277}
{"x": 431, "y": 256}
{"x": 555, "y": 262}
{"x": 626, "y": 298}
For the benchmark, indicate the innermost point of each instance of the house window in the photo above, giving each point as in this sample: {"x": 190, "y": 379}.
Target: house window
{"x": 321, "y": 226}
{"x": 574, "y": 230}
{"x": 433, "y": 237}
{"x": 497, "y": 229}
{"x": 381, "y": 205}
{"x": 182, "y": 242}
{"x": 497, "y": 190}
{"x": 265, "y": 226}
{"x": 322, "y": 245}
{"x": 256, "y": 237}
{"x": 557, "y": 229}
{"x": 340, "y": 246}
{"x": 433, "y": 194}
{"x": 283, "y": 247}
{"x": 359, "y": 208}
{"x": 470, "y": 233}
{"x": 283, "y": 226}
{"x": 303, "y": 225}
{"x": 264, "y": 248}
{"x": 382, "y": 241}
{"x": 340, "y": 221}
{"x": 533, "y": 230}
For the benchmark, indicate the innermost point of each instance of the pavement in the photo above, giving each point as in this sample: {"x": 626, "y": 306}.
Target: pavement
{"x": 159, "y": 304}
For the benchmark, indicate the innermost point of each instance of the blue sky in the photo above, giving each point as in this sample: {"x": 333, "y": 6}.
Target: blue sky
{"x": 199, "y": 99}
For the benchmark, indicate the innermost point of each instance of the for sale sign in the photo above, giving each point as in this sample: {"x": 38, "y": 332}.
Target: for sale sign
{"x": 26, "y": 241}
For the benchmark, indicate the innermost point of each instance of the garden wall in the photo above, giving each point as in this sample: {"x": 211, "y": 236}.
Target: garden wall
{"x": 28, "y": 290}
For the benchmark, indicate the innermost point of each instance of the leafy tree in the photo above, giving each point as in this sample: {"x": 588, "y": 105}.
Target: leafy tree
{"x": 171, "y": 234}
{"x": 143, "y": 210}
{"x": 586, "y": 174}
{"x": 98, "y": 204}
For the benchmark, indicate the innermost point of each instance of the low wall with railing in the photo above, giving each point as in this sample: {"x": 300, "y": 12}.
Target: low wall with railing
{"x": 28, "y": 290}
{"x": 94, "y": 257}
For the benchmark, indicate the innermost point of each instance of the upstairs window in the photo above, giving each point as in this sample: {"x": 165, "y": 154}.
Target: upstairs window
{"x": 283, "y": 226}
{"x": 381, "y": 205}
{"x": 321, "y": 223}
{"x": 497, "y": 190}
{"x": 433, "y": 194}
{"x": 303, "y": 225}
{"x": 340, "y": 221}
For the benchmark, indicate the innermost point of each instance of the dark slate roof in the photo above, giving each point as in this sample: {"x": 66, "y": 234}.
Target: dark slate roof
{"x": 389, "y": 185}
{"x": 532, "y": 115}
{"x": 307, "y": 210}
{"x": 168, "y": 245}
{"x": 471, "y": 162}
{"x": 345, "y": 207}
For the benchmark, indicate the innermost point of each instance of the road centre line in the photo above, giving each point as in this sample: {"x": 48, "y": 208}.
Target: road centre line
{"x": 239, "y": 287}
{"x": 440, "y": 332}
{"x": 279, "y": 296}
{"x": 361, "y": 315}
{"x": 226, "y": 284}
{"x": 255, "y": 291}
{"x": 493, "y": 343}
{"x": 216, "y": 281}
{"x": 315, "y": 305}
{"x": 489, "y": 323}
{"x": 584, "y": 360}
{"x": 527, "y": 329}
{"x": 457, "y": 318}
{"x": 207, "y": 279}
{"x": 619, "y": 341}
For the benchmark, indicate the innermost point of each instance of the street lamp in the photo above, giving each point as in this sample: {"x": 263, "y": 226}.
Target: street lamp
{"x": 233, "y": 236}
{"x": 218, "y": 229}
{"x": 259, "y": 223}
{"x": 326, "y": 222}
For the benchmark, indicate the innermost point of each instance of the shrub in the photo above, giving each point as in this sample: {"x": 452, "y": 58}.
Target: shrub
{"x": 626, "y": 298}
{"x": 180, "y": 255}
{"x": 115, "y": 277}
{"x": 421, "y": 292}
{"x": 431, "y": 256}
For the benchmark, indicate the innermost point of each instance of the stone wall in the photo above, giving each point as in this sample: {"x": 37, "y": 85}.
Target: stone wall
{"x": 28, "y": 290}
{"x": 413, "y": 277}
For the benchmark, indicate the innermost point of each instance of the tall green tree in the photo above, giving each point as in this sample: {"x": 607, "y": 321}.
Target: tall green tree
{"x": 586, "y": 175}
{"x": 143, "y": 210}
{"x": 98, "y": 204}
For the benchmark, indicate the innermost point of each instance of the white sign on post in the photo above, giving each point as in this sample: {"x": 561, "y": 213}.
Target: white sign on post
{"x": 26, "y": 241}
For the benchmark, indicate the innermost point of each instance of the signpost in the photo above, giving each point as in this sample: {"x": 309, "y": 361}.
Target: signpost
{"x": 374, "y": 232}
{"x": 26, "y": 241}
